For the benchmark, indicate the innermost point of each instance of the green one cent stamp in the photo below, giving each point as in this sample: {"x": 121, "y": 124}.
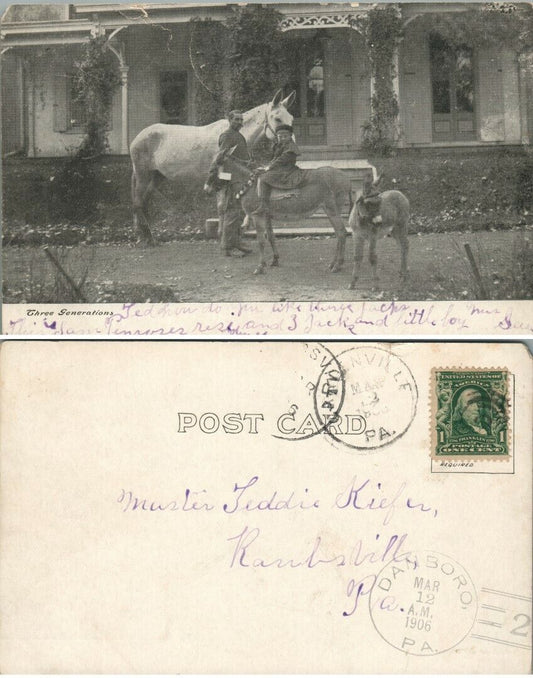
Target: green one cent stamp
{"x": 470, "y": 413}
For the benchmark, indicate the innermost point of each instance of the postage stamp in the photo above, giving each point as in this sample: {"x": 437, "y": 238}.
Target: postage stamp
{"x": 470, "y": 414}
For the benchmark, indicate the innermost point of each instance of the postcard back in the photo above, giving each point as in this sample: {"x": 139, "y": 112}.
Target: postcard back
{"x": 265, "y": 507}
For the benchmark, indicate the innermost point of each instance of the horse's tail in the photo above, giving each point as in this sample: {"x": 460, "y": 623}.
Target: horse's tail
{"x": 133, "y": 184}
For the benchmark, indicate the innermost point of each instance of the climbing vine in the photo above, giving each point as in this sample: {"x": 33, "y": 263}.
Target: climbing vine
{"x": 258, "y": 55}
{"x": 207, "y": 55}
{"x": 238, "y": 62}
{"x": 96, "y": 80}
{"x": 74, "y": 192}
{"x": 491, "y": 25}
{"x": 382, "y": 30}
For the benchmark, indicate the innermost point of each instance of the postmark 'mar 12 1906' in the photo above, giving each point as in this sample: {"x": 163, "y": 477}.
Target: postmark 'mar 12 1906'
{"x": 470, "y": 414}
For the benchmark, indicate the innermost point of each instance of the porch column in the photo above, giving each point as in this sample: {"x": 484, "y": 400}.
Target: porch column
{"x": 526, "y": 119}
{"x": 118, "y": 51}
{"x": 396, "y": 89}
{"x": 124, "y": 108}
{"x": 29, "y": 83}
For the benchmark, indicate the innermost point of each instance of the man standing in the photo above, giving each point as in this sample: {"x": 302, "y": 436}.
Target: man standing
{"x": 228, "y": 208}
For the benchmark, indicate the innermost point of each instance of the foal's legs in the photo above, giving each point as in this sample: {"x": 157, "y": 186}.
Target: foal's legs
{"x": 141, "y": 187}
{"x": 358, "y": 250}
{"x": 373, "y": 258}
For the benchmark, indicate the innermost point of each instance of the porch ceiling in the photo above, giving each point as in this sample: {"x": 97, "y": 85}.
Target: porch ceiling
{"x": 90, "y": 19}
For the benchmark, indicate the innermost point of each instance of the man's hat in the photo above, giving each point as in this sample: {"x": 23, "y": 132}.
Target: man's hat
{"x": 281, "y": 128}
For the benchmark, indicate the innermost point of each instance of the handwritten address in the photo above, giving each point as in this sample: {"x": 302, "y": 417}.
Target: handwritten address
{"x": 246, "y": 549}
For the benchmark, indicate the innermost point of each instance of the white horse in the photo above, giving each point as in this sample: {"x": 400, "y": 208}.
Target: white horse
{"x": 186, "y": 152}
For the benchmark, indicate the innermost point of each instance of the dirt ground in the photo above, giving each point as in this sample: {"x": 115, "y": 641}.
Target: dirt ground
{"x": 197, "y": 272}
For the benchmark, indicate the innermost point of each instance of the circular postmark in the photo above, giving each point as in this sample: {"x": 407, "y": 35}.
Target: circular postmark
{"x": 424, "y": 605}
{"x": 299, "y": 421}
{"x": 378, "y": 402}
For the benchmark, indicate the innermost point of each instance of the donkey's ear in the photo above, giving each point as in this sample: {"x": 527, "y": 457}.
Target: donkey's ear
{"x": 378, "y": 179}
{"x": 277, "y": 97}
{"x": 288, "y": 101}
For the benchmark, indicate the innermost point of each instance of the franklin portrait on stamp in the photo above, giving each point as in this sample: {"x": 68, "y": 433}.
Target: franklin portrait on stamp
{"x": 471, "y": 413}
{"x": 470, "y": 418}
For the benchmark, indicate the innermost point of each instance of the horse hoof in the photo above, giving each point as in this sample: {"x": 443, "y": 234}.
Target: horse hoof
{"x": 259, "y": 270}
{"x": 275, "y": 261}
{"x": 353, "y": 285}
{"x": 234, "y": 253}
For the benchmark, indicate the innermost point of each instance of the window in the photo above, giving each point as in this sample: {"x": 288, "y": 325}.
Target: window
{"x": 452, "y": 83}
{"x": 69, "y": 112}
{"x": 76, "y": 115}
{"x": 309, "y": 83}
{"x": 174, "y": 97}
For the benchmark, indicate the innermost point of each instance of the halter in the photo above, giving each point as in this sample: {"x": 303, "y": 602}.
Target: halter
{"x": 267, "y": 125}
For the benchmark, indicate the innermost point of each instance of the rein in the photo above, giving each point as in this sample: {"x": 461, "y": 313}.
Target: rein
{"x": 247, "y": 185}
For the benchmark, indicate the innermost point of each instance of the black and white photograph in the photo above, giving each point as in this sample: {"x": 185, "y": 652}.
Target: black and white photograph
{"x": 182, "y": 153}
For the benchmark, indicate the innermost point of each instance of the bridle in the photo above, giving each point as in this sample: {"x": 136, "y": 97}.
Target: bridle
{"x": 267, "y": 125}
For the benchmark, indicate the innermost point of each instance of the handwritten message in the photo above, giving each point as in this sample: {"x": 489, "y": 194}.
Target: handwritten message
{"x": 289, "y": 318}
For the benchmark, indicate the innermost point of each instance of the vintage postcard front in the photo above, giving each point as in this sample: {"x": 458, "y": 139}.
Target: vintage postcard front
{"x": 265, "y": 507}
{"x": 283, "y": 168}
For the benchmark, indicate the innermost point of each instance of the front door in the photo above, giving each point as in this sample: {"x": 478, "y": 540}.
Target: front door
{"x": 452, "y": 82}
{"x": 310, "y": 86}
{"x": 173, "y": 89}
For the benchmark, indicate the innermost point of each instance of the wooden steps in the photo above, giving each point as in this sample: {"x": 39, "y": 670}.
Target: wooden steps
{"x": 317, "y": 224}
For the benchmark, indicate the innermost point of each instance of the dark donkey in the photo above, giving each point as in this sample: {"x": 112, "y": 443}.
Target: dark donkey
{"x": 375, "y": 215}
{"x": 325, "y": 187}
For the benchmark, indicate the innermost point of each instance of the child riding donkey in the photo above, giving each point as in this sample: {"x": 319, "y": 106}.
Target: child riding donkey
{"x": 282, "y": 172}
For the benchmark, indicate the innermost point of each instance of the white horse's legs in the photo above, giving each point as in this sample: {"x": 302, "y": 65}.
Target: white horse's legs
{"x": 141, "y": 187}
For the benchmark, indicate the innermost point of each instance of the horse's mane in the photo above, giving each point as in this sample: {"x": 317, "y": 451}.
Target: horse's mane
{"x": 247, "y": 115}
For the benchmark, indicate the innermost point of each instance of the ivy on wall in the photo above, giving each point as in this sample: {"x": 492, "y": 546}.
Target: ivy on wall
{"x": 381, "y": 28}
{"x": 239, "y": 63}
{"x": 96, "y": 80}
{"x": 495, "y": 24}
{"x": 75, "y": 191}
{"x": 208, "y": 44}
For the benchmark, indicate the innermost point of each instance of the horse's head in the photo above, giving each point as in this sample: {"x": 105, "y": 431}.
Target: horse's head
{"x": 276, "y": 113}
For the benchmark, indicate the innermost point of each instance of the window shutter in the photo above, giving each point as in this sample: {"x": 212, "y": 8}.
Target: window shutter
{"x": 60, "y": 102}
